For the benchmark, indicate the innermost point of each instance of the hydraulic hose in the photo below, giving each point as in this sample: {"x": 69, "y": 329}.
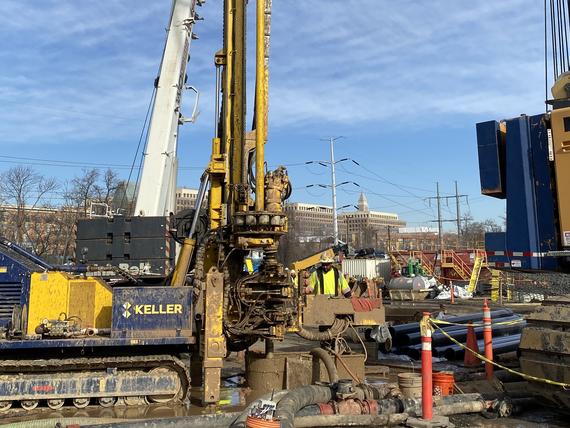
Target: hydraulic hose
{"x": 337, "y": 328}
{"x": 295, "y": 400}
{"x": 327, "y": 360}
{"x": 459, "y": 408}
{"x": 446, "y": 405}
{"x": 351, "y": 420}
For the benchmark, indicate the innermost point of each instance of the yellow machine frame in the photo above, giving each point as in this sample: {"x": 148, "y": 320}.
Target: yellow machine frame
{"x": 57, "y": 294}
{"x": 560, "y": 124}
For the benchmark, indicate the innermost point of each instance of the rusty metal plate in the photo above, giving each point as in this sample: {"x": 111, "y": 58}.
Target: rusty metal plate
{"x": 322, "y": 310}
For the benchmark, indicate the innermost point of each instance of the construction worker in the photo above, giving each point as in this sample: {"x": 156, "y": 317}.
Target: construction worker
{"x": 327, "y": 279}
{"x": 293, "y": 275}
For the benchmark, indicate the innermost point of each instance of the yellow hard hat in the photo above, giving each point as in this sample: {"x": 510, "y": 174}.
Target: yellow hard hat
{"x": 325, "y": 258}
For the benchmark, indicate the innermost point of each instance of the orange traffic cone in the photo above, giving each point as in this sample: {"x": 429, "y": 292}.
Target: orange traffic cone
{"x": 470, "y": 359}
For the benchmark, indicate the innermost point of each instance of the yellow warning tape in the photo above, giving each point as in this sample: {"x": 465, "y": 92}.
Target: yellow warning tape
{"x": 512, "y": 322}
{"x": 483, "y": 358}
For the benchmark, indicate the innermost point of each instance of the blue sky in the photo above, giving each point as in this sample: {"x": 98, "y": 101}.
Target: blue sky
{"x": 404, "y": 82}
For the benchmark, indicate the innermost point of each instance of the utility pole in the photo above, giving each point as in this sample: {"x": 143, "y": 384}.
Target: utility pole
{"x": 458, "y": 213}
{"x": 389, "y": 238}
{"x": 333, "y": 187}
{"x": 440, "y": 220}
{"x": 332, "y": 163}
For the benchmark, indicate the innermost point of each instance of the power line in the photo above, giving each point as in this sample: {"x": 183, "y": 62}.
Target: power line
{"x": 369, "y": 191}
{"x": 440, "y": 220}
{"x": 376, "y": 177}
{"x": 72, "y": 164}
{"x": 402, "y": 187}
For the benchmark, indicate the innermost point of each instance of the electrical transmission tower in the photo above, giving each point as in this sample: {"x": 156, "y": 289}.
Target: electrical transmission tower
{"x": 441, "y": 220}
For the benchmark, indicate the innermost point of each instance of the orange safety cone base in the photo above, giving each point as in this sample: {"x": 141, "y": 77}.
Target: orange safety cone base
{"x": 470, "y": 360}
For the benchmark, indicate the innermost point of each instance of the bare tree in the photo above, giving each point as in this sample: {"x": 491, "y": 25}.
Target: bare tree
{"x": 84, "y": 189}
{"x": 369, "y": 237}
{"x": 49, "y": 231}
{"x": 24, "y": 188}
{"x": 42, "y": 233}
{"x": 473, "y": 232}
{"x": 110, "y": 184}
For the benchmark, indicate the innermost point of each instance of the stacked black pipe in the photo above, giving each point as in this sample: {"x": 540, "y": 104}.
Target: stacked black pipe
{"x": 506, "y": 337}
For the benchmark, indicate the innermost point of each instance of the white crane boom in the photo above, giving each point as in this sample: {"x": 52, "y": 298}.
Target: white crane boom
{"x": 157, "y": 188}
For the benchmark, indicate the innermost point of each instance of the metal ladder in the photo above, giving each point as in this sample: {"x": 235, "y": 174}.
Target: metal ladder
{"x": 475, "y": 274}
{"x": 495, "y": 284}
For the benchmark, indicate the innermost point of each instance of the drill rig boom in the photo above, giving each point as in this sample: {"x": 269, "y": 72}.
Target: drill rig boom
{"x": 156, "y": 193}
{"x": 245, "y": 213}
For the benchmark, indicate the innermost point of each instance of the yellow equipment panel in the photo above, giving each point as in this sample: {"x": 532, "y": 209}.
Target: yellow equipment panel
{"x": 560, "y": 122}
{"x": 54, "y": 293}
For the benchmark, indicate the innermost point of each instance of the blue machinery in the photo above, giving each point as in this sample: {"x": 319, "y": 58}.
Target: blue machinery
{"x": 99, "y": 343}
{"x": 516, "y": 163}
{"x": 525, "y": 160}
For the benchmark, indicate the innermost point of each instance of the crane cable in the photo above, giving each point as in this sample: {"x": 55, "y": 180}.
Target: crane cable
{"x": 143, "y": 135}
{"x": 557, "y": 20}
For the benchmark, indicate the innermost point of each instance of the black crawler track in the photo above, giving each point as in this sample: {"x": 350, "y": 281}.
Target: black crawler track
{"x": 32, "y": 367}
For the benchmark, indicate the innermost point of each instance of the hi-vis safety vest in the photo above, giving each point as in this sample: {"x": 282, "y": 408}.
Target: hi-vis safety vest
{"x": 320, "y": 287}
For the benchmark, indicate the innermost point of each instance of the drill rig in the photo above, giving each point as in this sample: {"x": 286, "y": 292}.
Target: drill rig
{"x": 75, "y": 336}
{"x": 134, "y": 339}
{"x": 245, "y": 213}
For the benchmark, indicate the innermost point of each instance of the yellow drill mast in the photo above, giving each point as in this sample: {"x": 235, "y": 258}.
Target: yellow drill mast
{"x": 245, "y": 213}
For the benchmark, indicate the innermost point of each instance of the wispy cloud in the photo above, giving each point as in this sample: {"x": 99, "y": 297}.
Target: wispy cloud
{"x": 74, "y": 70}
{"x": 79, "y": 74}
{"x": 69, "y": 65}
{"x": 358, "y": 61}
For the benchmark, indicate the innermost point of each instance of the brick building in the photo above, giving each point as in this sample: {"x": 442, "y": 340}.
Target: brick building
{"x": 185, "y": 198}
{"x": 359, "y": 228}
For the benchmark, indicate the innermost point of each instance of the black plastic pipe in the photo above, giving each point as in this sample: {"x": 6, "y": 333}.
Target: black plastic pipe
{"x": 475, "y": 316}
{"x": 459, "y": 332}
{"x": 478, "y": 316}
{"x": 461, "y": 336}
{"x": 414, "y": 337}
{"x": 448, "y": 351}
{"x": 501, "y": 345}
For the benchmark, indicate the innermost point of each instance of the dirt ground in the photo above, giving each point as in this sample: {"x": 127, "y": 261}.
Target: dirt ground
{"x": 234, "y": 397}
